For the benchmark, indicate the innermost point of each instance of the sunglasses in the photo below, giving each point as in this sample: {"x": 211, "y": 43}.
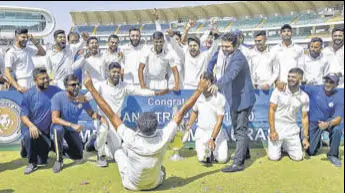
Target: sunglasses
{"x": 74, "y": 84}
{"x": 329, "y": 81}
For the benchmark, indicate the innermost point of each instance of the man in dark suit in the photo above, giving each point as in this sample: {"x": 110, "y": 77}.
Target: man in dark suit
{"x": 236, "y": 84}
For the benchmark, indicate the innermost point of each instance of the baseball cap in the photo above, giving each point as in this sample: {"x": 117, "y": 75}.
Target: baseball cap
{"x": 333, "y": 77}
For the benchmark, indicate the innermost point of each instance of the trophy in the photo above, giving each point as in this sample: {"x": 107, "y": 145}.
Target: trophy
{"x": 176, "y": 145}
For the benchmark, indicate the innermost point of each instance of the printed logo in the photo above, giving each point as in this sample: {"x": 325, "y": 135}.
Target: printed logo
{"x": 9, "y": 121}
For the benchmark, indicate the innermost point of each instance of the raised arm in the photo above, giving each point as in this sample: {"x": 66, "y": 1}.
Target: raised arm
{"x": 191, "y": 101}
{"x": 41, "y": 51}
{"x": 190, "y": 24}
{"x": 114, "y": 119}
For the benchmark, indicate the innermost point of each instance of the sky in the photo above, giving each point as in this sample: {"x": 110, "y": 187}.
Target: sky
{"x": 60, "y": 9}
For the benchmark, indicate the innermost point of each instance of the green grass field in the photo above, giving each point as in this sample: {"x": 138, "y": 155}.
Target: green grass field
{"x": 188, "y": 176}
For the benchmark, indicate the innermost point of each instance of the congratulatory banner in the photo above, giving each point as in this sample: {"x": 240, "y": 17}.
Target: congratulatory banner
{"x": 163, "y": 106}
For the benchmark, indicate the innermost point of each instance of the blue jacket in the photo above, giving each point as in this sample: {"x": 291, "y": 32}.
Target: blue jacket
{"x": 236, "y": 83}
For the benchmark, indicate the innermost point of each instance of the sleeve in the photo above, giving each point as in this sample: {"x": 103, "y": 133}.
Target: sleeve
{"x": 231, "y": 72}
{"x": 274, "y": 97}
{"x": 275, "y": 69}
{"x": 300, "y": 59}
{"x": 125, "y": 133}
{"x": 32, "y": 51}
{"x": 49, "y": 64}
{"x": 88, "y": 96}
{"x": 144, "y": 57}
{"x": 9, "y": 60}
{"x": 158, "y": 25}
{"x": 305, "y": 105}
{"x": 213, "y": 49}
{"x": 132, "y": 90}
{"x": 169, "y": 131}
{"x": 76, "y": 47}
{"x": 195, "y": 107}
{"x": 56, "y": 106}
{"x": 212, "y": 62}
{"x": 221, "y": 107}
{"x": 173, "y": 61}
{"x": 326, "y": 70}
{"x": 339, "y": 108}
{"x": 25, "y": 108}
{"x": 87, "y": 106}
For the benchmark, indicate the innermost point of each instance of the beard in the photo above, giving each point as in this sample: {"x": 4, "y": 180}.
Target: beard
{"x": 61, "y": 45}
{"x": 23, "y": 43}
{"x": 43, "y": 86}
{"x": 74, "y": 92}
{"x": 135, "y": 42}
{"x": 314, "y": 54}
{"x": 115, "y": 80}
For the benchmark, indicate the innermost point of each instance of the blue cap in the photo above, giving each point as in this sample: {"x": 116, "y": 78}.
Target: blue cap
{"x": 333, "y": 77}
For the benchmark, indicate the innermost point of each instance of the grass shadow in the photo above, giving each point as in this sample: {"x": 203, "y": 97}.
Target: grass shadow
{"x": 174, "y": 181}
{"x": 13, "y": 165}
{"x": 6, "y": 191}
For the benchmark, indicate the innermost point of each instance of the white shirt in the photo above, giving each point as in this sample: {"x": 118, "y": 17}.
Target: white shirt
{"x": 337, "y": 59}
{"x": 286, "y": 58}
{"x": 195, "y": 66}
{"x": 111, "y": 57}
{"x": 131, "y": 59}
{"x": 61, "y": 63}
{"x": 262, "y": 69}
{"x": 115, "y": 95}
{"x": 2, "y": 65}
{"x": 246, "y": 52}
{"x": 145, "y": 154}
{"x": 96, "y": 67}
{"x": 208, "y": 109}
{"x": 20, "y": 60}
{"x": 315, "y": 69}
{"x": 157, "y": 65}
{"x": 288, "y": 105}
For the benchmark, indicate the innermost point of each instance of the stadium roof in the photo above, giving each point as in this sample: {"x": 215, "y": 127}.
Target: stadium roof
{"x": 227, "y": 9}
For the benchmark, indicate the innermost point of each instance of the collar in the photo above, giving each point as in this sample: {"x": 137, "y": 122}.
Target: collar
{"x": 258, "y": 51}
{"x": 282, "y": 45}
{"x": 288, "y": 91}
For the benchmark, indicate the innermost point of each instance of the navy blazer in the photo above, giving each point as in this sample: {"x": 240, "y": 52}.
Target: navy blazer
{"x": 236, "y": 83}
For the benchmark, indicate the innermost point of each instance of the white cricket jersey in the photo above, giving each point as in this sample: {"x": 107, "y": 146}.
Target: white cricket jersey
{"x": 145, "y": 154}
{"x": 288, "y": 105}
{"x": 208, "y": 109}
{"x": 115, "y": 95}
{"x": 262, "y": 69}
{"x": 286, "y": 58}
{"x": 111, "y": 57}
{"x": 131, "y": 59}
{"x": 96, "y": 67}
{"x": 336, "y": 62}
{"x": 195, "y": 66}
{"x": 315, "y": 69}
{"x": 157, "y": 66}
{"x": 20, "y": 60}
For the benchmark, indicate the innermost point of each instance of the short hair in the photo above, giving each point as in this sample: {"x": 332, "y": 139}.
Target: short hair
{"x": 260, "y": 33}
{"x": 72, "y": 34}
{"x": 297, "y": 70}
{"x": 69, "y": 77}
{"x": 147, "y": 123}
{"x": 193, "y": 39}
{"x": 37, "y": 71}
{"x": 157, "y": 35}
{"x": 339, "y": 28}
{"x": 208, "y": 76}
{"x": 316, "y": 39}
{"x": 230, "y": 37}
{"x": 21, "y": 31}
{"x": 91, "y": 38}
{"x": 178, "y": 33}
{"x": 285, "y": 26}
{"x": 114, "y": 65}
{"x": 133, "y": 29}
{"x": 113, "y": 36}
{"x": 57, "y": 32}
